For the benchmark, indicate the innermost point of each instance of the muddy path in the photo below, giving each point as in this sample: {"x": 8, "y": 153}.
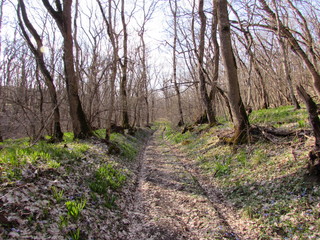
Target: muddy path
{"x": 170, "y": 201}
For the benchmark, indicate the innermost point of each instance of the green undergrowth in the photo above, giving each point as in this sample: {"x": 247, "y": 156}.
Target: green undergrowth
{"x": 266, "y": 182}
{"x": 105, "y": 179}
{"x": 281, "y": 117}
{"x": 78, "y": 184}
{"x": 127, "y": 144}
{"x": 18, "y": 153}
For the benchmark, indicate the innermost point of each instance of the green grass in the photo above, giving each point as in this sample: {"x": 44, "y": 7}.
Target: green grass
{"x": 264, "y": 181}
{"x": 57, "y": 194}
{"x": 174, "y": 134}
{"x": 18, "y": 153}
{"x": 74, "y": 234}
{"x": 107, "y": 177}
{"x": 74, "y": 208}
{"x": 279, "y": 116}
{"x": 83, "y": 174}
{"x": 129, "y": 146}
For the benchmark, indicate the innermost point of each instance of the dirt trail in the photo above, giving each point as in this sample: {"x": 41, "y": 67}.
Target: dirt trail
{"x": 169, "y": 201}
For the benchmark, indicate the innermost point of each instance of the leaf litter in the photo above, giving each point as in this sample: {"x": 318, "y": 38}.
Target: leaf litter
{"x": 34, "y": 207}
{"x": 169, "y": 203}
{"x": 167, "y": 195}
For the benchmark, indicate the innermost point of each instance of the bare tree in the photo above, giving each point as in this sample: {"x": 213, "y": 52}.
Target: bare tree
{"x": 216, "y": 52}
{"x": 124, "y": 67}
{"x": 303, "y": 23}
{"x": 174, "y": 9}
{"x": 147, "y": 12}
{"x": 38, "y": 53}
{"x": 240, "y": 118}
{"x": 248, "y": 44}
{"x": 62, "y": 17}
{"x": 201, "y": 69}
{"x": 315, "y": 124}
{"x": 115, "y": 49}
{"x": 295, "y": 46}
{"x": 1, "y": 18}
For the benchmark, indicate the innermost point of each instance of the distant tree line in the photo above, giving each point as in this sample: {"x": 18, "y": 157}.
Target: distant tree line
{"x": 74, "y": 66}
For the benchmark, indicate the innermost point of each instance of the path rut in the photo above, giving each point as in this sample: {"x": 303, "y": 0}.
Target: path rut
{"x": 170, "y": 203}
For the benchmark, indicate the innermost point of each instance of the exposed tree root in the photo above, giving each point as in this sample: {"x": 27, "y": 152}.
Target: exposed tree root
{"x": 263, "y": 133}
{"x": 202, "y": 119}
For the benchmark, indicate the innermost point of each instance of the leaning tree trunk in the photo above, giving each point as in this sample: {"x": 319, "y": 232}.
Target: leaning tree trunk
{"x": 81, "y": 128}
{"x": 240, "y": 118}
{"x": 62, "y": 17}
{"x": 57, "y": 135}
{"x": 314, "y": 155}
{"x": 295, "y": 46}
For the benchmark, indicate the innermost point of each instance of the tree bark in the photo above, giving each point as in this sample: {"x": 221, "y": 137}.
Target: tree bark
{"x": 124, "y": 66}
{"x": 313, "y": 114}
{"x": 62, "y": 17}
{"x": 202, "y": 77}
{"x": 314, "y": 155}
{"x": 38, "y": 53}
{"x": 115, "y": 49}
{"x": 1, "y": 107}
{"x": 285, "y": 65}
{"x": 240, "y": 118}
{"x": 174, "y": 10}
{"x": 295, "y": 47}
{"x": 216, "y": 51}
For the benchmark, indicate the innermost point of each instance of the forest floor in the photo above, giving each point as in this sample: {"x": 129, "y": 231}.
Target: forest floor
{"x": 173, "y": 201}
{"x": 163, "y": 184}
{"x": 164, "y": 197}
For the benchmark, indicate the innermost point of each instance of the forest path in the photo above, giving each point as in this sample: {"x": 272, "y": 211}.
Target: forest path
{"x": 169, "y": 201}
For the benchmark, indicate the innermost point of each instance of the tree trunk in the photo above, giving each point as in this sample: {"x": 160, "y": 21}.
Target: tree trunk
{"x": 265, "y": 97}
{"x": 216, "y": 52}
{"x": 201, "y": 71}
{"x": 57, "y": 132}
{"x": 240, "y": 118}
{"x": 174, "y": 10}
{"x": 81, "y": 128}
{"x": 112, "y": 37}
{"x": 253, "y": 62}
{"x": 295, "y": 47}
{"x": 314, "y": 155}
{"x": 145, "y": 77}
{"x": 62, "y": 16}
{"x": 285, "y": 65}
{"x": 124, "y": 66}
{"x": 1, "y": 107}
